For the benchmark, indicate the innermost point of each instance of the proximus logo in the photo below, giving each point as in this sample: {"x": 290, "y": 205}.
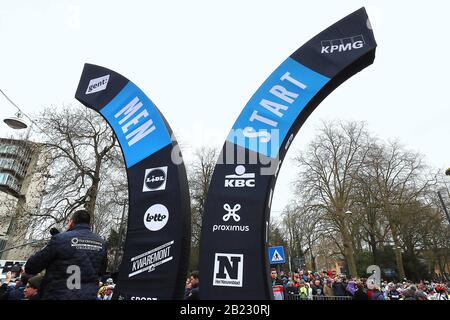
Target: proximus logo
{"x": 342, "y": 45}
{"x": 97, "y": 84}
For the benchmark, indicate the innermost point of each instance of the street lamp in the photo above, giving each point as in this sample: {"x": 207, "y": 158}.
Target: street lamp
{"x": 14, "y": 122}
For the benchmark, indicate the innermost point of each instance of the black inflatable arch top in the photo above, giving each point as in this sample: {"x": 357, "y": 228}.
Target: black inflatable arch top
{"x": 157, "y": 246}
{"x": 233, "y": 251}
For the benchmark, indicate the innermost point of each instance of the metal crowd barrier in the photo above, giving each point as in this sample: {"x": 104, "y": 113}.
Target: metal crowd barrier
{"x": 297, "y": 297}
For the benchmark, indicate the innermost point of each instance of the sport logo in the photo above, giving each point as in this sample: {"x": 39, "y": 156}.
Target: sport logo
{"x": 156, "y": 217}
{"x": 155, "y": 179}
{"x": 240, "y": 179}
{"x": 342, "y": 45}
{"x": 228, "y": 270}
{"x": 148, "y": 261}
{"x": 97, "y": 84}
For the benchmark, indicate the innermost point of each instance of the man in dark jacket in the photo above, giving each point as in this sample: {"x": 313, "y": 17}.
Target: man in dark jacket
{"x": 31, "y": 291}
{"x": 339, "y": 288}
{"x": 8, "y": 292}
{"x": 193, "y": 292}
{"x": 74, "y": 260}
{"x": 317, "y": 288}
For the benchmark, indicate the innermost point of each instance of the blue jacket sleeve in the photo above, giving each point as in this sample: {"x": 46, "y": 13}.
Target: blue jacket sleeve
{"x": 40, "y": 260}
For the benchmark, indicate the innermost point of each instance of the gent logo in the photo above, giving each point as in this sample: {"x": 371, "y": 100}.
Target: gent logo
{"x": 228, "y": 270}
{"x": 155, "y": 179}
{"x": 156, "y": 217}
{"x": 97, "y": 84}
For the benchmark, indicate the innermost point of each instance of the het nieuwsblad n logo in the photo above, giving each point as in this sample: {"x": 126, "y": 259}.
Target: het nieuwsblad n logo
{"x": 228, "y": 270}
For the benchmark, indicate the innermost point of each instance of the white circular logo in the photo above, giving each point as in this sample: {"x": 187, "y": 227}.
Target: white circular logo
{"x": 156, "y": 217}
{"x": 240, "y": 170}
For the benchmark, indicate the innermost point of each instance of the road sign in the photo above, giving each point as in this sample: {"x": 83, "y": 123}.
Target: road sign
{"x": 276, "y": 255}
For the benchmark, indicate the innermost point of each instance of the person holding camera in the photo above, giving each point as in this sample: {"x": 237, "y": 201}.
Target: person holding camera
{"x": 74, "y": 260}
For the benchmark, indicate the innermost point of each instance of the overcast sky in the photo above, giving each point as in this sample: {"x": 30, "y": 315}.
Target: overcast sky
{"x": 200, "y": 61}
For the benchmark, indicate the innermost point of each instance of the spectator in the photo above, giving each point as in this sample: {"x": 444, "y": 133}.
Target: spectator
{"x": 109, "y": 290}
{"x": 75, "y": 253}
{"x": 317, "y": 288}
{"x": 187, "y": 288}
{"x": 101, "y": 291}
{"x": 420, "y": 295}
{"x": 327, "y": 287}
{"x": 292, "y": 288}
{"x": 303, "y": 275}
{"x": 16, "y": 271}
{"x": 110, "y": 282}
{"x": 303, "y": 290}
{"x": 296, "y": 280}
{"x": 339, "y": 288}
{"x": 10, "y": 291}
{"x": 18, "y": 292}
{"x": 360, "y": 292}
{"x": 410, "y": 293}
{"x": 193, "y": 292}
{"x": 392, "y": 293}
{"x": 441, "y": 292}
{"x": 276, "y": 281}
{"x": 31, "y": 291}
{"x": 351, "y": 288}
{"x": 377, "y": 294}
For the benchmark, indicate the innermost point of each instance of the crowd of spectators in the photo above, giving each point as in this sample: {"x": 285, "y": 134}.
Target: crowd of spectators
{"x": 326, "y": 285}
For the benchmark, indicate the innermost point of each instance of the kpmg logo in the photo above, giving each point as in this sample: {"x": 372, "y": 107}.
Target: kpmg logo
{"x": 228, "y": 270}
{"x": 342, "y": 45}
{"x": 240, "y": 179}
{"x": 97, "y": 84}
{"x": 155, "y": 179}
{"x": 156, "y": 217}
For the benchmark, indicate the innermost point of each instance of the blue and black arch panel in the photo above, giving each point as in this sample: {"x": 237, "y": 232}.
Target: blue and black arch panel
{"x": 233, "y": 251}
{"x": 157, "y": 245}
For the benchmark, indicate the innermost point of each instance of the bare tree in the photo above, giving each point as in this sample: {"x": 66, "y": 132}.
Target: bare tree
{"x": 328, "y": 174}
{"x": 291, "y": 224}
{"x": 398, "y": 176}
{"x": 85, "y": 168}
{"x": 199, "y": 177}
